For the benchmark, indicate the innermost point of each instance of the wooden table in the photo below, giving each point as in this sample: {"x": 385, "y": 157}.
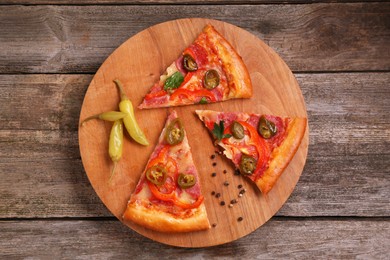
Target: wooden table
{"x": 339, "y": 53}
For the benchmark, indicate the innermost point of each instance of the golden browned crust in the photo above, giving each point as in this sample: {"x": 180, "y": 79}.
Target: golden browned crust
{"x": 282, "y": 155}
{"x": 240, "y": 85}
{"x": 165, "y": 222}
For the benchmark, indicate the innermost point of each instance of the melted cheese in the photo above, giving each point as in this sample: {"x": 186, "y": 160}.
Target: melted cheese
{"x": 145, "y": 192}
{"x": 186, "y": 198}
{"x": 170, "y": 70}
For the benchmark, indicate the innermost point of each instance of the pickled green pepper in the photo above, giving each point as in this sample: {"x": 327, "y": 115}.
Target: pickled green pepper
{"x": 107, "y": 116}
{"x": 129, "y": 120}
{"x": 115, "y": 144}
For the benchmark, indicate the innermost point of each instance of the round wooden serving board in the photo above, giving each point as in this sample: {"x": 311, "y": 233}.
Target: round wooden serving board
{"x": 138, "y": 63}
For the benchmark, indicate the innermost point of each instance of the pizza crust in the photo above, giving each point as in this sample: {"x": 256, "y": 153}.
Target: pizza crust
{"x": 240, "y": 85}
{"x": 165, "y": 222}
{"x": 282, "y": 155}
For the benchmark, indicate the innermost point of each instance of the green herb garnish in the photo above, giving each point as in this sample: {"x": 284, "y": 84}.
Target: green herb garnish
{"x": 173, "y": 81}
{"x": 203, "y": 100}
{"x": 218, "y": 131}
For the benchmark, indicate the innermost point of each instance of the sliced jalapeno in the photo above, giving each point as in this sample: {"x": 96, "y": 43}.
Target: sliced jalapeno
{"x": 247, "y": 165}
{"x": 266, "y": 128}
{"x": 156, "y": 174}
{"x": 189, "y": 63}
{"x": 211, "y": 79}
{"x": 237, "y": 130}
{"x": 186, "y": 181}
{"x": 175, "y": 132}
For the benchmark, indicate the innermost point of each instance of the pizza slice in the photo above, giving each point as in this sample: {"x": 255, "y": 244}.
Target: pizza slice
{"x": 260, "y": 146}
{"x": 168, "y": 195}
{"x": 209, "y": 70}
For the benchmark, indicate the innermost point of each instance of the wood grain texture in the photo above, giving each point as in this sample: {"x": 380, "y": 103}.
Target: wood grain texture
{"x": 275, "y": 91}
{"x": 345, "y": 174}
{"x": 171, "y": 2}
{"x": 279, "y": 238}
{"x": 77, "y": 39}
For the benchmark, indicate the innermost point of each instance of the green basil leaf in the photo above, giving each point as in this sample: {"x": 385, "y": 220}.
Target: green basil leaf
{"x": 218, "y": 131}
{"x": 173, "y": 81}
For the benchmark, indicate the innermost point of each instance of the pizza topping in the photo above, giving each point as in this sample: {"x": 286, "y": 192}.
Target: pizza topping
{"x": 266, "y": 128}
{"x": 156, "y": 174}
{"x": 237, "y": 130}
{"x": 185, "y": 205}
{"x": 175, "y": 132}
{"x": 165, "y": 194}
{"x": 174, "y": 81}
{"x": 186, "y": 181}
{"x": 193, "y": 95}
{"x": 219, "y": 130}
{"x": 247, "y": 164}
{"x": 189, "y": 63}
{"x": 211, "y": 79}
{"x": 203, "y": 100}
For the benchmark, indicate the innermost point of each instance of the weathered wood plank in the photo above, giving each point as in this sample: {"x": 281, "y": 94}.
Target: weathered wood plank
{"x": 346, "y": 172}
{"x": 44, "y": 102}
{"x": 329, "y": 186}
{"x": 77, "y": 39}
{"x": 357, "y": 102}
{"x": 47, "y": 188}
{"x": 171, "y": 2}
{"x": 279, "y": 238}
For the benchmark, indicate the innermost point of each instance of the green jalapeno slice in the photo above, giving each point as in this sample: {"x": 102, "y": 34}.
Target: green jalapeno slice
{"x": 237, "y": 130}
{"x": 175, "y": 132}
{"x": 247, "y": 165}
{"x": 156, "y": 174}
{"x": 189, "y": 63}
{"x": 266, "y": 128}
{"x": 211, "y": 79}
{"x": 186, "y": 181}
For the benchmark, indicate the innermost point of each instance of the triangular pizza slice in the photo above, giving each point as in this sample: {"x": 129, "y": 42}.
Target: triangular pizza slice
{"x": 260, "y": 146}
{"x": 168, "y": 196}
{"x": 209, "y": 70}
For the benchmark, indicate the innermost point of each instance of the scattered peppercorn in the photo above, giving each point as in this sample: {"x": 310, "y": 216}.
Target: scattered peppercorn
{"x": 213, "y": 193}
{"x": 233, "y": 201}
{"x": 239, "y": 186}
{"x": 214, "y": 225}
{"x": 212, "y": 156}
{"x": 237, "y": 172}
{"x": 214, "y": 164}
{"x": 222, "y": 203}
{"x": 240, "y": 219}
{"x": 242, "y": 191}
{"x": 226, "y": 183}
{"x": 224, "y": 171}
{"x": 218, "y": 195}
{"x": 213, "y": 174}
